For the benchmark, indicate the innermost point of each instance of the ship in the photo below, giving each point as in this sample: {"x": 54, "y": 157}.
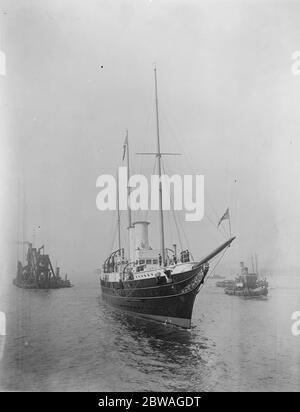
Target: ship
{"x": 217, "y": 277}
{"x": 247, "y": 284}
{"x": 38, "y": 272}
{"x": 157, "y": 284}
{"x": 225, "y": 283}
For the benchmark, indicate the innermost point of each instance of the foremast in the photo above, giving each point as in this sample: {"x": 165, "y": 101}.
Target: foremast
{"x": 128, "y": 177}
{"x": 158, "y": 156}
{"x": 130, "y": 226}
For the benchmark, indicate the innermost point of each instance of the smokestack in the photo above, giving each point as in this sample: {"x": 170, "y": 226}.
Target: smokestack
{"x": 141, "y": 235}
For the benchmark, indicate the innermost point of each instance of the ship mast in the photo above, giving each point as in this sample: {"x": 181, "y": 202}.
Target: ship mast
{"x": 119, "y": 220}
{"x": 256, "y": 264}
{"x": 252, "y": 262}
{"x": 130, "y": 227}
{"x": 128, "y": 177}
{"x": 158, "y": 155}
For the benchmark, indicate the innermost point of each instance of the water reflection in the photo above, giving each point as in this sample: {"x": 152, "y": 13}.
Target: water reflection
{"x": 178, "y": 358}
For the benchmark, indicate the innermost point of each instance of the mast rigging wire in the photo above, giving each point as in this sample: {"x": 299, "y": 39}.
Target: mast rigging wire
{"x": 174, "y": 134}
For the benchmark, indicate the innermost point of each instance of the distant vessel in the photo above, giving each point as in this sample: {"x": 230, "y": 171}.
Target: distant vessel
{"x": 217, "y": 277}
{"x": 247, "y": 284}
{"x": 38, "y": 273}
{"x": 154, "y": 283}
{"x": 225, "y": 283}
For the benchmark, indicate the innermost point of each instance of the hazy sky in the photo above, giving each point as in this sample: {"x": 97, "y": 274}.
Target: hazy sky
{"x": 229, "y": 102}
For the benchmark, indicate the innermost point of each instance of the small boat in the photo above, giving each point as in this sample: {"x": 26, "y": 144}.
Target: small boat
{"x": 247, "y": 284}
{"x": 38, "y": 272}
{"x": 217, "y": 277}
{"x": 250, "y": 292}
{"x": 225, "y": 283}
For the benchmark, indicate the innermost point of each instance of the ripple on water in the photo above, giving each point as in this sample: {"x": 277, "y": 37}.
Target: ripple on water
{"x": 72, "y": 340}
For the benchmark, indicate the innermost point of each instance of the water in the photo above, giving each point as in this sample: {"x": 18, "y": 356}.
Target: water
{"x": 70, "y": 340}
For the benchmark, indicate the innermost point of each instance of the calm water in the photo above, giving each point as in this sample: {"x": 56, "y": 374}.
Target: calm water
{"x": 69, "y": 339}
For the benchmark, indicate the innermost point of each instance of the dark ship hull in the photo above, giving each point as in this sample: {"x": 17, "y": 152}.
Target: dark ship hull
{"x": 42, "y": 285}
{"x": 175, "y": 310}
{"x": 168, "y": 298}
{"x": 169, "y": 303}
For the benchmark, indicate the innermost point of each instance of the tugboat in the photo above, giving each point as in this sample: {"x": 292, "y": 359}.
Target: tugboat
{"x": 38, "y": 273}
{"x": 247, "y": 284}
{"x": 153, "y": 283}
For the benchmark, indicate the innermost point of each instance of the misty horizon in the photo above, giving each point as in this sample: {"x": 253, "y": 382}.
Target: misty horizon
{"x": 79, "y": 74}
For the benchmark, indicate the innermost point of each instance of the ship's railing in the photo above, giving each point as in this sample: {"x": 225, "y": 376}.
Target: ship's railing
{"x": 116, "y": 259}
{"x": 128, "y": 270}
{"x": 111, "y": 262}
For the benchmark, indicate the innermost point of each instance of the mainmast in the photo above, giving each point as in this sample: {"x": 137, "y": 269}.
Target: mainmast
{"x": 158, "y": 155}
{"x": 130, "y": 227}
{"x": 252, "y": 263}
{"x": 128, "y": 177}
{"x": 256, "y": 264}
{"x": 119, "y": 220}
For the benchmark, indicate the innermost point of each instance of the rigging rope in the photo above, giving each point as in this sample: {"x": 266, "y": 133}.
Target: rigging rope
{"x": 113, "y": 239}
{"x": 215, "y": 226}
{"x": 153, "y": 170}
{"x": 174, "y": 215}
{"x": 181, "y": 226}
{"x": 220, "y": 229}
{"x": 219, "y": 260}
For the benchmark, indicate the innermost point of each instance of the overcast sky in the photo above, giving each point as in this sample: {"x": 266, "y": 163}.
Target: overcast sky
{"x": 228, "y": 102}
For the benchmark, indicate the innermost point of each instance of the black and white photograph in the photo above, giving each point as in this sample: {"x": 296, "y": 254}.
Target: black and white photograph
{"x": 149, "y": 198}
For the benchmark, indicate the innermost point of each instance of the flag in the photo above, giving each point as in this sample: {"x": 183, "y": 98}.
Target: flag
{"x": 225, "y": 216}
{"x": 125, "y": 147}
